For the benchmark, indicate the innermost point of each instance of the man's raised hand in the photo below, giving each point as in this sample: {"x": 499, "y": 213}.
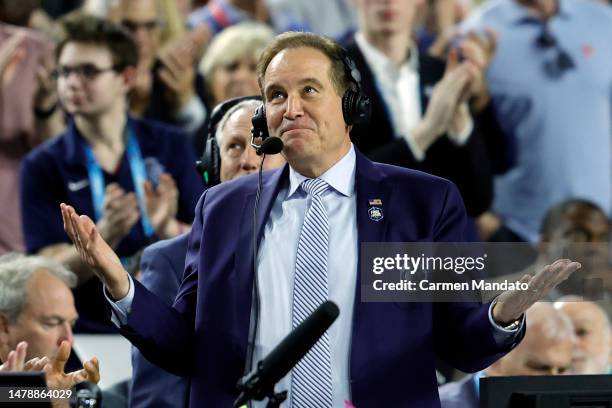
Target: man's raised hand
{"x": 512, "y": 304}
{"x": 95, "y": 252}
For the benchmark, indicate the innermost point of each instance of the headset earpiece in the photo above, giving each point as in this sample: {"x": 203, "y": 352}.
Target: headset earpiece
{"x": 260, "y": 125}
{"x": 356, "y": 106}
{"x": 209, "y": 165}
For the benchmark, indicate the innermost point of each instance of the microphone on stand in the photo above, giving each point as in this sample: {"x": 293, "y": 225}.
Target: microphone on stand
{"x": 260, "y": 382}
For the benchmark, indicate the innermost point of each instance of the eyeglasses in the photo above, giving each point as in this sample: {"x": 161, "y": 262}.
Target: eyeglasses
{"x": 134, "y": 26}
{"x": 87, "y": 72}
{"x": 562, "y": 62}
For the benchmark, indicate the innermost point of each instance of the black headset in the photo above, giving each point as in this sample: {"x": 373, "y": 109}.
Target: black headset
{"x": 356, "y": 106}
{"x": 209, "y": 165}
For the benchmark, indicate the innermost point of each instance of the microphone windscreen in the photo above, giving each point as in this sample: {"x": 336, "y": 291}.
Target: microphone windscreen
{"x": 272, "y": 145}
{"x": 278, "y": 363}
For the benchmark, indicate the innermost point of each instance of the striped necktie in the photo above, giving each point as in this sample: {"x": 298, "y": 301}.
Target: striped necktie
{"x": 311, "y": 381}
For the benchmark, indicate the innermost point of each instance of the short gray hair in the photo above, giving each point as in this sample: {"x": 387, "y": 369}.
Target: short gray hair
{"x": 249, "y": 104}
{"x": 16, "y": 271}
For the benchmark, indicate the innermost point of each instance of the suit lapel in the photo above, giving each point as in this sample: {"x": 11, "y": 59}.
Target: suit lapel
{"x": 244, "y": 271}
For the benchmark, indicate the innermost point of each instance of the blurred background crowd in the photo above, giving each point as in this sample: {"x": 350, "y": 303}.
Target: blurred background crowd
{"x": 107, "y": 104}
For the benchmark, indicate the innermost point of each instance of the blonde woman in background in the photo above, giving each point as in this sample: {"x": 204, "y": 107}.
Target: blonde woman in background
{"x": 228, "y": 66}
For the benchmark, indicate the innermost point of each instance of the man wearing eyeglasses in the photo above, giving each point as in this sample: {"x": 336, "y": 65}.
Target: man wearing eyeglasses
{"x": 551, "y": 82}
{"x": 136, "y": 178}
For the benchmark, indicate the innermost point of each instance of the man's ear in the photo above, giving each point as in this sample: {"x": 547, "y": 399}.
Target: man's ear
{"x": 129, "y": 77}
{"x": 4, "y": 336}
{"x": 4, "y": 324}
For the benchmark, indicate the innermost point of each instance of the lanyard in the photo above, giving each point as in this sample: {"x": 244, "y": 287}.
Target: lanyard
{"x": 139, "y": 176}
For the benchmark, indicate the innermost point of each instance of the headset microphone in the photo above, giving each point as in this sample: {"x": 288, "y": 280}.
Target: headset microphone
{"x": 272, "y": 145}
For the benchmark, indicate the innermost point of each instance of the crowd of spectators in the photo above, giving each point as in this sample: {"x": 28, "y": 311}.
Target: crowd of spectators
{"x": 107, "y": 105}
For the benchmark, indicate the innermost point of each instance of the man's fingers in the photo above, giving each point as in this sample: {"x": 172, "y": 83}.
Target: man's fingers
{"x": 474, "y": 53}
{"x": 148, "y": 189}
{"x": 16, "y": 358}
{"x": 10, "y": 361}
{"x": 58, "y": 362}
{"x": 66, "y": 220}
{"x": 36, "y": 364}
{"x": 452, "y": 60}
{"x": 92, "y": 370}
{"x": 122, "y": 203}
{"x": 166, "y": 184}
{"x": 492, "y": 38}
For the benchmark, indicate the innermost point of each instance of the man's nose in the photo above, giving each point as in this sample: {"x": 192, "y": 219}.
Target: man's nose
{"x": 66, "y": 334}
{"x": 294, "y": 107}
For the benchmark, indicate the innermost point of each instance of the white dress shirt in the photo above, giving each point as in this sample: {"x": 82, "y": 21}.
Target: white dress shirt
{"x": 276, "y": 267}
{"x": 399, "y": 86}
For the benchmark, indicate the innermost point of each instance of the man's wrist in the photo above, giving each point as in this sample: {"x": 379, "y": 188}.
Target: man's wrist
{"x": 504, "y": 321}
{"x": 119, "y": 288}
{"x": 424, "y": 135}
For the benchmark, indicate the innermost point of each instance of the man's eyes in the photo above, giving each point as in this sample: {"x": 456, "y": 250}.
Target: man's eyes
{"x": 276, "y": 95}
{"x": 235, "y": 146}
{"x": 52, "y": 323}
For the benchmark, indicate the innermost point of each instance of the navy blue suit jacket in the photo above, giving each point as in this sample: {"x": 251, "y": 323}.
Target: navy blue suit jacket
{"x": 161, "y": 266}
{"x": 393, "y": 346}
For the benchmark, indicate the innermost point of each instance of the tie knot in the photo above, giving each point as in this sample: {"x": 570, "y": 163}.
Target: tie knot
{"x": 314, "y": 187}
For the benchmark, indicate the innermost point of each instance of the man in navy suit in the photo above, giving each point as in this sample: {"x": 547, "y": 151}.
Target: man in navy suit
{"x": 379, "y": 354}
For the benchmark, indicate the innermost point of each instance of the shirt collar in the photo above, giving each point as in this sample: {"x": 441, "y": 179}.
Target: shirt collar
{"x": 341, "y": 176}
{"x": 76, "y": 143}
{"x": 519, "y": 14}
{"x": 375, "y": 58}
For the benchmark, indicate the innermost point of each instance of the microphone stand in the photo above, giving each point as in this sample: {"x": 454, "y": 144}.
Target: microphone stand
{"x": 248, "y": 391}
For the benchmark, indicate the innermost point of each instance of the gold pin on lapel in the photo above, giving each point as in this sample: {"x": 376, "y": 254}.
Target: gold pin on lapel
{"x": 375, "y": 201}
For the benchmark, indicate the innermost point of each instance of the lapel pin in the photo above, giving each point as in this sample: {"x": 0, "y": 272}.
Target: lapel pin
{"x": 375, "y": 201}
{"x": 375, "y": 213}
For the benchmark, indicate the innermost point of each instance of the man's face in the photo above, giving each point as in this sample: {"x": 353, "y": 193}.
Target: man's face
{"x": 583, "y": 235}
{"x": 592, "y": 337}
{"x": 582, "y": 225}
{"x": 238, "y": 158}
{"x": 537, "y": 354}
{"x": 386, "y": 17}
{"x": 304, "y": 109}
{"x": 141, "y": 18}
{"x": 93, "y": 93}
{"x": 46, "y": 319}
{"x": 236, "y": 79}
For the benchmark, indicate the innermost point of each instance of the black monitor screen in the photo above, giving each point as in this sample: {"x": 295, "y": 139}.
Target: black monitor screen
{"x": 18, "y": 381}
{"x": 564, "y": 391}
